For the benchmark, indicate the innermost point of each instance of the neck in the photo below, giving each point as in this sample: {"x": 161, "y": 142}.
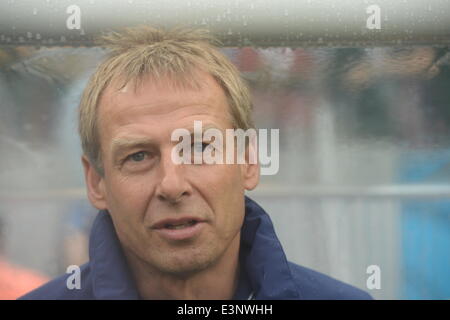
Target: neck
{"x": 219, "y": 281}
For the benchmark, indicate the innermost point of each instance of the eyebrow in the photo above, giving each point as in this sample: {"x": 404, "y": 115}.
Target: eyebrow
{"x": 119, "y": 145}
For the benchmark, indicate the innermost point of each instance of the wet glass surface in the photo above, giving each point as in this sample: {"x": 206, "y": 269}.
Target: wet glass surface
{"x": 364, "y": 159}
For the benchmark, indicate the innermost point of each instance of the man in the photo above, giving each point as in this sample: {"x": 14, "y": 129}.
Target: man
{"x": 167, "y": 230}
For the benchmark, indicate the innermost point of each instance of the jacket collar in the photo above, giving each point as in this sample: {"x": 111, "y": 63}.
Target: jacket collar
{"x": 111, "y": 276}
{"x": 264, "y": 259}
{"x": 265, "y": 264}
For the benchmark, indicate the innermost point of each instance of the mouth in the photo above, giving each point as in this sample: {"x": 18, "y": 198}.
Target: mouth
{"x": 179, "y": 229}
{"x": 180, "y": 226}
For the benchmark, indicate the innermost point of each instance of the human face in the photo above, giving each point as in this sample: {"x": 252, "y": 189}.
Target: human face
{"x": 144, "y": 190}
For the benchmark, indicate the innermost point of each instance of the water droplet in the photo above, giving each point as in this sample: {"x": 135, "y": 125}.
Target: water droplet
{"x": 34, "y": 11}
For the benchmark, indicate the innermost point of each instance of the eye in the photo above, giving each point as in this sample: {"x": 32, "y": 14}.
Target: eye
{"x": 200, "y": 147}
{"x": 138, "y": 156}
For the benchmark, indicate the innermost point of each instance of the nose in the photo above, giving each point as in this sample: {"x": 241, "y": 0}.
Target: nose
{"x": 173, "y": 186}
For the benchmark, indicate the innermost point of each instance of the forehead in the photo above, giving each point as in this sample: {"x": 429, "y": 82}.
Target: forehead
{"x": 159, "y": 101}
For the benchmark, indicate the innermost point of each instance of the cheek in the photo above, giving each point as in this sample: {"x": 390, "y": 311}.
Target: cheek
{"x": 222, "y": 186}
{"x": 233, "y": 197}
{"x": 127, "y": 195}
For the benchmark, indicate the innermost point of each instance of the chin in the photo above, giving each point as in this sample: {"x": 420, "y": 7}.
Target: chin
{"x": 184, "y": 264}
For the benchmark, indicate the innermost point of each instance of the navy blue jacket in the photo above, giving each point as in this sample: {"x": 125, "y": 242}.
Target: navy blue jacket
{"x": 265, "y": 271}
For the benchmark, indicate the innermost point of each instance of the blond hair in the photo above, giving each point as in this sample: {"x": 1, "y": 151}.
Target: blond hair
{"x": 177, "y": 55}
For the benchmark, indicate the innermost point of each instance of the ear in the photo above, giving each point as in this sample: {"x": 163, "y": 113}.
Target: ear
{"x": 95, "y": 185}
{"x": 251, "y": 169}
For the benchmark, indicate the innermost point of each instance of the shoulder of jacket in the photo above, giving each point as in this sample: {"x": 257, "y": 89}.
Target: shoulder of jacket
{"x": 57, "y": 289}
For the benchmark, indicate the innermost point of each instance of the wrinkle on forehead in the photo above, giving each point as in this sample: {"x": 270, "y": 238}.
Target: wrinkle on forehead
{"x": 180, "y": 117}
{"x": 126, "y": 106}
{"x": 208, "y": 90}
{"x": 162, "y": 110}
{"x": 135, "y": 88}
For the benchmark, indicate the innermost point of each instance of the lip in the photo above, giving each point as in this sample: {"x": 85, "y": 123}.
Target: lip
{"x": 179, "y": 234}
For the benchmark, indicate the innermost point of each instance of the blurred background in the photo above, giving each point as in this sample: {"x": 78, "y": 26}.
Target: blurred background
{"x": 364, "y": 173}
